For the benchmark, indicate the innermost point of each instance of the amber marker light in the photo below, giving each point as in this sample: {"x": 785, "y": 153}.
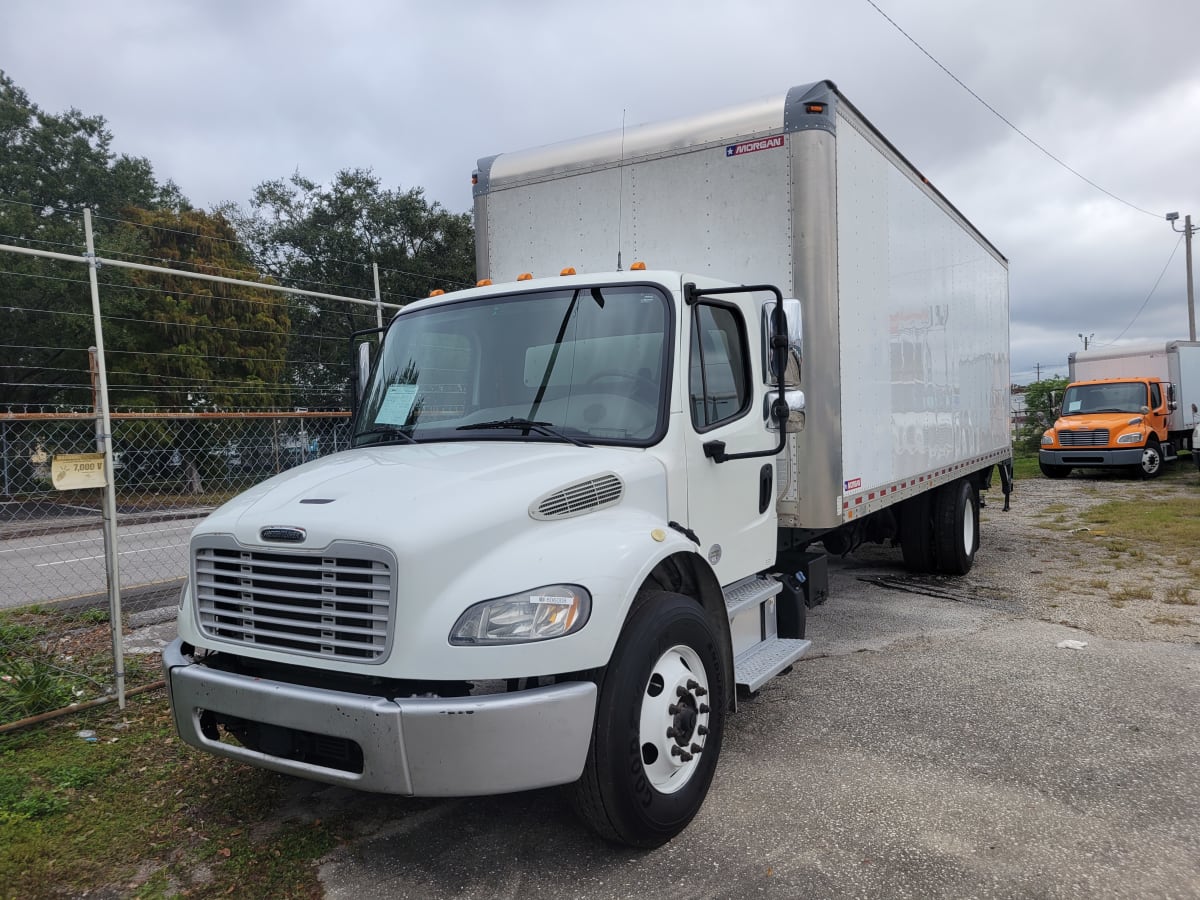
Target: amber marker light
{"x": 436, "y": 292}
{"x": 483, "y": 282}
{"x": 569, "y": 270}
{"x": 525, "y": 276}
{"x": 638, "y": 266}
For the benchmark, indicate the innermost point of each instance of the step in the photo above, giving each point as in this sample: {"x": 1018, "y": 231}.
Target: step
{"x": 748, "y": 592}
{"x": 756, "y": 667}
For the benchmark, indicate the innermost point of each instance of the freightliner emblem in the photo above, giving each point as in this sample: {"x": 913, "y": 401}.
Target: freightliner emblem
{"x": 287, "y": 534}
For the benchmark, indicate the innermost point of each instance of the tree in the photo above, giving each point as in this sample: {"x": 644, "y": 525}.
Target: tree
{"x": 51, "y": 166}
{"x": 1042, "y": 400}
{"x": 324, "y": 239}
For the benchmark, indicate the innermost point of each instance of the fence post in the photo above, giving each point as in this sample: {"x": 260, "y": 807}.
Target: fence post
{"x": 104, "y": 445}
{"x": 4, "y": 450}
{"x": 378, "y": 297}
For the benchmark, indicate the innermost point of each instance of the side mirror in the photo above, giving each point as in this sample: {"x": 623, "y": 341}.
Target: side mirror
{"x": 362, "y": 369}
{"x": 1172, "y": 403}
{"x": 786, "y": 358}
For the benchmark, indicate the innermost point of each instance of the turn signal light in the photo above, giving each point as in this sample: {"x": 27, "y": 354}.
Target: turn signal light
{"x": 483, "y": 282}
{"x": 436, "y": 292}
{"x": 525, "y": 276}
{"x": 569, "y": 270}
{"x": 638, "y": 266}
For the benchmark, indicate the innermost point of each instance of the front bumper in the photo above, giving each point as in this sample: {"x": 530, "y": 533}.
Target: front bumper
{"x": 418, "y": 746}
{"x": 1089, "y": 457}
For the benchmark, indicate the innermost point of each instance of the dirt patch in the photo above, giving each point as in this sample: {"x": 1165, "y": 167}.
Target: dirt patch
{"x": 1056, "y": 563}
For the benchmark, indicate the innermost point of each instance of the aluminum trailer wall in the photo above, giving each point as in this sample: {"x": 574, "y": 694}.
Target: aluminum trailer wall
{"x": 906, "y": 304}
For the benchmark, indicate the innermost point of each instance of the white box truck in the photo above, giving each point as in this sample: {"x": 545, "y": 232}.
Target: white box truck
{"x": 575, "y": 510}
{"x": 1132, "y": 407}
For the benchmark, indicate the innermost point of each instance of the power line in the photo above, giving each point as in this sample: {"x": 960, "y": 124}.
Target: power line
{"x": 1174, "y": 250}
{"x": 1005, "y": 120}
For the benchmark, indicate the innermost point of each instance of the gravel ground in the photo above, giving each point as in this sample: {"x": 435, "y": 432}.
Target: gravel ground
{"x": 938, "y": 743}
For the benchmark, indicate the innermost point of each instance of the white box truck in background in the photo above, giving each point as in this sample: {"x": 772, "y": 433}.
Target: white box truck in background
{"x": 574, "y": 507}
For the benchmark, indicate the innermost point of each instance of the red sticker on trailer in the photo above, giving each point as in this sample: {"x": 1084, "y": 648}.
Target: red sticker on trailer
{"x": 853, "y": 484}
{"x": 769, "y": 143}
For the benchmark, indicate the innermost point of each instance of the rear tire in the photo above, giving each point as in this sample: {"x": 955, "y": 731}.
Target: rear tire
{"x": 916, "y": 533}
{"x": 660, "y": 720}
{"x": 956, "y": 527}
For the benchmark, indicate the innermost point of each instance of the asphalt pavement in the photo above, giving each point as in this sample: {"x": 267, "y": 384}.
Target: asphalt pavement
{"x": 935, "y": 747}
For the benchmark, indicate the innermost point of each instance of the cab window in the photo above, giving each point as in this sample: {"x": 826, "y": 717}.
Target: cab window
{"x": 719, "y": 378}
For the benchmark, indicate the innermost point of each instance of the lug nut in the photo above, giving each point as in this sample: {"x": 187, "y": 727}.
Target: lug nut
{"x": 680, "y": 692}
{"x": 675, "y": 750}
{"x": 703, "y": 708}
{"x": 671, "y": 731}
{"x": 685, "y": 756}
{"x": 695, "y": 748}
{"x": 702, "y": 730}
{"x": 700, "y": 692}
{"x": 692, "y": 684}
{"x": 672, "y": 709}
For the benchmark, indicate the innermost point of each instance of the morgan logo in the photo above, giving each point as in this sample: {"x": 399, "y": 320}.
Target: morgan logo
{"x": 770, "y": 143}
{"x": 287, "y": 534}
{"x": 853, "y": 484}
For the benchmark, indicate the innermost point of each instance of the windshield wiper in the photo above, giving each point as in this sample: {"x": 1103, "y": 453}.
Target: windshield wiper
{"x": 546, "y": 429}
{"x": 391, "y": 431}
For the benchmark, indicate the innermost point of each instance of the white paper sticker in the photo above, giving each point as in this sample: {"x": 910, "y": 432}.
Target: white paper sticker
{"x": 1074, "y": 405}
{"x": 397, "y": 404}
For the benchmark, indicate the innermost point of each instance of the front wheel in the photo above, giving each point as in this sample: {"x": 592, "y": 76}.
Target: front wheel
{"x": 660, "y": 720}
{"x": 1052, "y": 471}
{"x": 1152, "y": 460}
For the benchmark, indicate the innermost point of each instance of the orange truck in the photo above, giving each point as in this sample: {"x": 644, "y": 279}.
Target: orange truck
{"x": 1132, "y": 407}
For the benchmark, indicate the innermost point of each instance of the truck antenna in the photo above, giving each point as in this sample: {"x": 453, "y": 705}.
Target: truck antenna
{"x": 621, "y": 191}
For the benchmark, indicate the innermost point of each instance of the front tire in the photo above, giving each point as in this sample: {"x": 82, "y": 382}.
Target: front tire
{"x": 660, "y": 721}
{"x": 1052, "y": 471}
{"x": 1152, "y": 460}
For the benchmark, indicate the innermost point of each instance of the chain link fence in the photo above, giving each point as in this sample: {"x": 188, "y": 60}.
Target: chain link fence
{"x": 170, "y": 470}
{"x": 167, "y": 402}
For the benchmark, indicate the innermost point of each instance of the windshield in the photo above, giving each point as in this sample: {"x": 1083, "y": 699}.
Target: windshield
{"x": 1122, "y": 397}
{"x": 584, "y": 366}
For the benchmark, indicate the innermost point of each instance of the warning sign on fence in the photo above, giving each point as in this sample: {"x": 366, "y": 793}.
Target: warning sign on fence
{"x": 73, "y": 471}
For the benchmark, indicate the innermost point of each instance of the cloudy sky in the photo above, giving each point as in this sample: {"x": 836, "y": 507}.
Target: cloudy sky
{"x": 224, "y": 94}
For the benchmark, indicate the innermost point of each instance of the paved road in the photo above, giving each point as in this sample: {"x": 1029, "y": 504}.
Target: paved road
{"x": 935, "y": 748}
{"x": 70, "y": 562}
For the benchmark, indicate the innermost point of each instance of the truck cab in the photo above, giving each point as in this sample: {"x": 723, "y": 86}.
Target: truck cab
{"x": 546, "y": 557}
{"x": 1111, "y": 422}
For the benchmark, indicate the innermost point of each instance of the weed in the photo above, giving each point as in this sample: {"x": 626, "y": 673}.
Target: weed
{"x": 33, "y": 685}
{"x": 1179, "y": 594}
{"x": 1168, "y": 620}
{"x": 94, "y": 616}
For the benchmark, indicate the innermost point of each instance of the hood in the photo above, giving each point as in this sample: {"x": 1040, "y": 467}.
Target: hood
{"x": 427, "y": 494}
{"x": 1111, "y": 421}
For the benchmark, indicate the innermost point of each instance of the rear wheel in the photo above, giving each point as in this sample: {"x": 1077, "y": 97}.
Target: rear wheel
{"x": 916, "y": 533}
{"x": 659, "y": 725}
{"x": 956, "y": 527}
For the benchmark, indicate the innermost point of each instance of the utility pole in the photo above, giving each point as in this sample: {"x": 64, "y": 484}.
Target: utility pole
{"x": 1086, "y": 338}
{"x": 1188, "y": 231}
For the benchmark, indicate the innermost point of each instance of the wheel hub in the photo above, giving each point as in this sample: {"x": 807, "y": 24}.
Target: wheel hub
{"x": 674, "y": 718}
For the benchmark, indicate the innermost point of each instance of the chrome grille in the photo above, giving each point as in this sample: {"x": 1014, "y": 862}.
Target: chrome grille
{"x": 332, "y": 604}
{"x": 1096, "y": 438}
{"x": 579, "y": 498}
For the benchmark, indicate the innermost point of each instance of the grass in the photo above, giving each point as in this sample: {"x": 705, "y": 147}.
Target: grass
{"x": 135, "y": 813}
{"x": 1169, "y": 522}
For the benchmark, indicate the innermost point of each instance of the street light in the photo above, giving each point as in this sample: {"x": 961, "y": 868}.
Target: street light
{"x": 1187, "y": 231}
{"x": 1087, "y": 339}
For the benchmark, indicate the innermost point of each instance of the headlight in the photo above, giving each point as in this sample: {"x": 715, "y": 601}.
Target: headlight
{"x": 1048, "y": 438}
{"x": 1134, "y": 437}
{"x": 535, "y": 615}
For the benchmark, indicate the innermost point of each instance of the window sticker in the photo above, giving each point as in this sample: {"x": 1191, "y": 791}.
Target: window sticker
{"x": 1074, "y": 405}
{"x": 397, "y": 404}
